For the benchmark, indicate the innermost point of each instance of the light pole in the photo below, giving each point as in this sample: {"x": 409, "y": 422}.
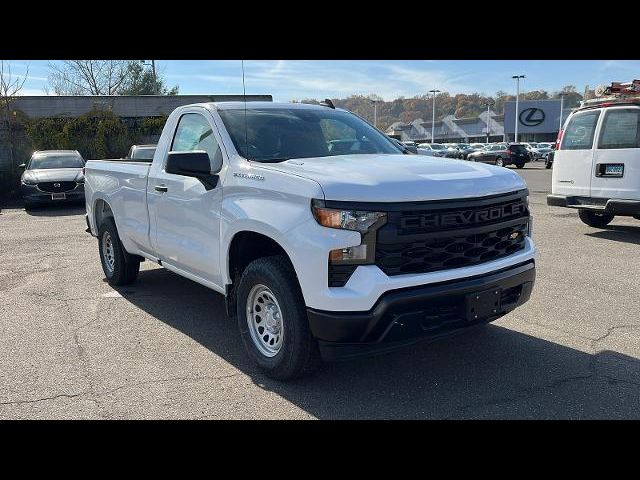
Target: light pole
{"x": 155, "y": 78}
{"x": 433, "y": 115}
{"x": 488, "y": 105}
{"x": 375, "y": 111}
{"x": 517, "y": 78}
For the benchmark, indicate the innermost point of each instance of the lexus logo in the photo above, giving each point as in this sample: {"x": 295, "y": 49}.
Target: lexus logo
{"x": 57, "y": 185}
{"x": 531, "y": 117}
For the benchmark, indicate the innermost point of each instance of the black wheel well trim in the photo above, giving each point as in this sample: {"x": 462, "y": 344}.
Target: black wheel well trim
{"x": 101, "y": 211}
{"x": 260, "y": 246}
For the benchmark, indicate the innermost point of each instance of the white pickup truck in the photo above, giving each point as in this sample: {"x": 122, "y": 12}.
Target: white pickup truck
{"x": 327, "y": 241}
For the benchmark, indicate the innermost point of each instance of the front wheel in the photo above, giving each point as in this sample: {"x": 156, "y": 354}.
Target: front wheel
{"x": 118, "y": 265}
{"x": 499, "y": 162}
{"x": 519, "y": 165}
{"x": 595, "y": 219}
{"x": 272, "y": 318}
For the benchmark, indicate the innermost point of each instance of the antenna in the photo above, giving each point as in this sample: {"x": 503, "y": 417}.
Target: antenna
{"x": 244, "y": 95}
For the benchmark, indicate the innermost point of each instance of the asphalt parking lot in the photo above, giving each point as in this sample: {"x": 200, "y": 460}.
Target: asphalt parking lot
{"x": 73, "y": 347}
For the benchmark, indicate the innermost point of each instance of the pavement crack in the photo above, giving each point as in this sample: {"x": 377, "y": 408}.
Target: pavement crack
{"x": 44, "y": 399}
{"x": 167, "y": 380}
{"x": 609, "y": 332}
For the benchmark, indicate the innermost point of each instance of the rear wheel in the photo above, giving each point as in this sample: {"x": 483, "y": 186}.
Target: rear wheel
{"x": 499, "y": 162}
{"x": 520, "y": 165}
{"x": 595, "y": 219}
{"x": 272, "y": 318}
{"x": 118, "y": 265}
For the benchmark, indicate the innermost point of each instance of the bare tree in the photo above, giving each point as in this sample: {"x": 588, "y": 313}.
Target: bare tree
{"x": 10, "y": 87}
{"x": 89, "y": 77}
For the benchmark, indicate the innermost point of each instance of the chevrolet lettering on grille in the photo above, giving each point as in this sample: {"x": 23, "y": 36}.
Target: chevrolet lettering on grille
{"x": 464, "y": 217}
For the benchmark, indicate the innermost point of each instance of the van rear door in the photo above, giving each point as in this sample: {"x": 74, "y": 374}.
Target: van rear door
{"x": 572, "y": 169}
{"x": 616, "y": 161}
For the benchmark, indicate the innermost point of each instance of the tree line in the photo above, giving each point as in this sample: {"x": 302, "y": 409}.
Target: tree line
{"x": 461, "y": 105}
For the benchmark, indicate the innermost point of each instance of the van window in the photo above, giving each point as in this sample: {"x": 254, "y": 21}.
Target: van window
{"x": 620, "y": 129}
{"x": 580, "y": 131}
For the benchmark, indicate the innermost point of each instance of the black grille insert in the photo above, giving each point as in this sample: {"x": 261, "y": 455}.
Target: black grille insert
{"x": 449, "y": 236}
{"x": 56, "y": 187}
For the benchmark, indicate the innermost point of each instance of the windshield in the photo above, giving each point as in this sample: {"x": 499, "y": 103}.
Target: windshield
{"x": 55, "y": 161}
{"x": 544, "y": 145}
{"x": 277, "y": 134}
{"x": 518, "y": 148}
{"x": 143, "y": 153}
{"x": 437, "y": 146}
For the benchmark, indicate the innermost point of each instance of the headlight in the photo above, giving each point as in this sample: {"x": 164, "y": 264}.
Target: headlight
{"x": 29, "y": 181}
{"x": 356, "y": 220}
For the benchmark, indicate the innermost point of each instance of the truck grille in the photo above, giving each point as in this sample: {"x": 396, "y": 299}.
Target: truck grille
{"x": 52, "y": 188}
{"x": 452, "y": 234}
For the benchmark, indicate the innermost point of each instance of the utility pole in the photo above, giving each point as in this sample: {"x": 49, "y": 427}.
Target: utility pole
{"x": 155, "y": 76}
{"x": 517, "y": 78}
{"x": 433, "y": 115}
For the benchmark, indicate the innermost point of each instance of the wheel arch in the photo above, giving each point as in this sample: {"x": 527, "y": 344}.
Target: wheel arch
{"x": 244, "y": 247}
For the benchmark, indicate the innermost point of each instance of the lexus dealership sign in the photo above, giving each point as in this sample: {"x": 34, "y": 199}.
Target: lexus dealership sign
{"x": 534, "y": 116}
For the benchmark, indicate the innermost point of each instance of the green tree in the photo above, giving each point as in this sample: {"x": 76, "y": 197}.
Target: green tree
{"x": 140, "y": 81}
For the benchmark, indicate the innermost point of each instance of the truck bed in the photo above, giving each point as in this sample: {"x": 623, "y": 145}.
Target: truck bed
{"x": 123, "y": 185}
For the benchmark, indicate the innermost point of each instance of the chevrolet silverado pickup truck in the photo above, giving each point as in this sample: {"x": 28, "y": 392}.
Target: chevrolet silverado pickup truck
{"x": 321, "y": 253}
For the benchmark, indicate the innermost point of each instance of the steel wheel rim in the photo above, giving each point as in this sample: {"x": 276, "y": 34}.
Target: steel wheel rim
{"x": 108, "y": 252}
{"x": 265, "y": 322}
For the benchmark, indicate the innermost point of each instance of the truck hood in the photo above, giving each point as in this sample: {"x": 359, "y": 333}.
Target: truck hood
{"x": 401, "y": 178}
{"x": 53, "y": 174}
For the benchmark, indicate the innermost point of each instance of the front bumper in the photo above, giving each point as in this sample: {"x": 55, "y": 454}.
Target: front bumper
{"x": 32, "y": 194}
{"x": 404, "y": 316}
{"x": 612, "y": 206}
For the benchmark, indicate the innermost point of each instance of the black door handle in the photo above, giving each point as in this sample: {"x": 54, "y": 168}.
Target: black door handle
{"x": 160, "y": 188}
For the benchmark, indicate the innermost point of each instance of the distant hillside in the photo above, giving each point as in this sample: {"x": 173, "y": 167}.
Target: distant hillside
{"x": 461, "y": 105}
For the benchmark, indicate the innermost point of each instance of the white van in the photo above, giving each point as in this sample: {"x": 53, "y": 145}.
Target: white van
{"x": 597, "y": 164}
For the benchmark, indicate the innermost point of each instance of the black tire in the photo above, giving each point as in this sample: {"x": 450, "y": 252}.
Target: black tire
{"x": 595, "y": 219}
{"x": 637, "y": 217}
{"x": 499, "y": 162}
{"x": 519, "y": 165}
{"x": 298, "y": 355}
{"x": 28, "y": 205}
{"x": 125, "y": 266}
{"x": 548, "y": 165}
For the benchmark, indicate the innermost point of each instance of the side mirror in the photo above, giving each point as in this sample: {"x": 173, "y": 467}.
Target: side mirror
{"x": 22, "y": 165}
{"x": 194, "y": 164}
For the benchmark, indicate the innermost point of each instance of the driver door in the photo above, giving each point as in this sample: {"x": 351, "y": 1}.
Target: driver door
{"x": 187, "y": 233}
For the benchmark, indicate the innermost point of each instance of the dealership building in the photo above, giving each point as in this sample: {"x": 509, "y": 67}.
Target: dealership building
{"x": 538, "y": 121}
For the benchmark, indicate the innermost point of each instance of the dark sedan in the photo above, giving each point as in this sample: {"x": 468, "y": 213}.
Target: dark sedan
{"x": 53, "y": 176}
{"x": 502, "y": 154}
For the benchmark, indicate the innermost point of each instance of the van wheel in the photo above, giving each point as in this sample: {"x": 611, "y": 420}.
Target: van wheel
{"x": 272, "y": 318}
{"x": 595, "y": 219}
{"x": 499, "y": 162}
{"x": 119, "y": 266}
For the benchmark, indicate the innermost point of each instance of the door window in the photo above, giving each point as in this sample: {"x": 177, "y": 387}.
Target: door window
{"x": 580, "y": 131}
{"x": 620, "y": 129}
{"x": 195, "y": 133}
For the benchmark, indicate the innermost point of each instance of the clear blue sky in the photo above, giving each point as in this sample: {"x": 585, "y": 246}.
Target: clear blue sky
{"x": 294, "y": 79}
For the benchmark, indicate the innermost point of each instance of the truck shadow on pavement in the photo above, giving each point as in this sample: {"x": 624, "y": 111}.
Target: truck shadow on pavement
{"x": 619, "y": 233}
{"x": 489, "y": 372}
